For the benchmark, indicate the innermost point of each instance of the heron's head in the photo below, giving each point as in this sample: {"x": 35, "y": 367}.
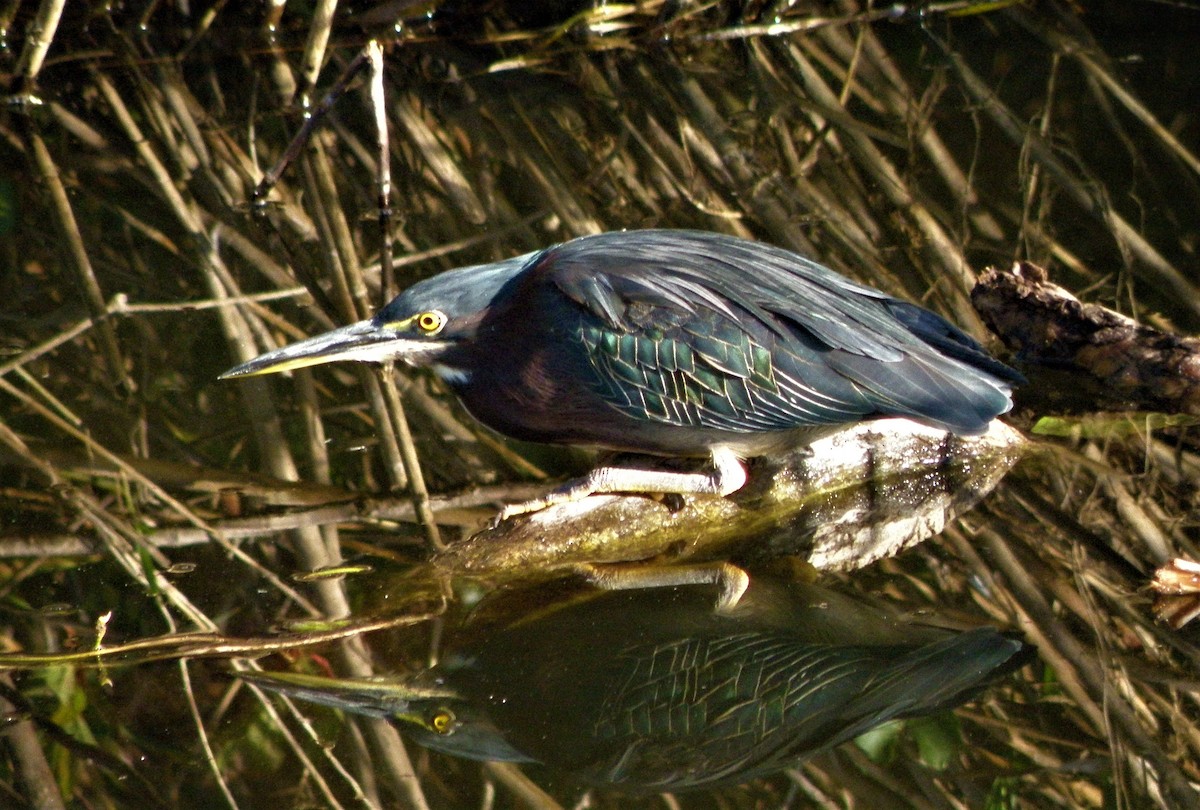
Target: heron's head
{"x": 418, "y": 327}
{"x": 434, "y": 716}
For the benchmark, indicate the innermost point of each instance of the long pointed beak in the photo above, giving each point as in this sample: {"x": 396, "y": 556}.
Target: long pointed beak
{"x": 364, "y": 341}
{"x": 375, "y": 697}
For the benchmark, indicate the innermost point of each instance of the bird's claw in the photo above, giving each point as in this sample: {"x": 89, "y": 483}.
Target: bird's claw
{"x": 731, "y": 580}
{"x": 512, "y": 510}
{"x": 568, "y": 493}
{"x": 729, "y": 475}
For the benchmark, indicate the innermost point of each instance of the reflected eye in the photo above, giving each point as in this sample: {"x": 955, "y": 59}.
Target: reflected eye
{"x": 430, "y": 322}
{"x": 442, "y": 722}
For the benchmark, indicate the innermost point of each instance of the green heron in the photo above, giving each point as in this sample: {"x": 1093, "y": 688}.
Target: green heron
{"x": 653, "y": 690}
{"x": 671, "y": 343}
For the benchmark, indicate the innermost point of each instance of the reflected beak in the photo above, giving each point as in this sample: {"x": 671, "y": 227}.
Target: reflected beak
{"x": 374, "y": 697}
{"x": 365, "y": 341}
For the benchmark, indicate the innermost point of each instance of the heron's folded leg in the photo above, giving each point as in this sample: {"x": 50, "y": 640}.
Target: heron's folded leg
{"x": 728, "y": 475}
{"x": 730, "y": 580}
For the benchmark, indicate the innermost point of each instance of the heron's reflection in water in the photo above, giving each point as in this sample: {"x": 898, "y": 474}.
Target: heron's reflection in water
{"x": 654, "y": 690}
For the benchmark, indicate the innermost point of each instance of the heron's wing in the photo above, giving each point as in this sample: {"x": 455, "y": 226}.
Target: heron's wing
{"x": 749, "y": 704}
{"x": 844, "y": 350}
{"x": 818, "y": 696}
{"x": 895, "y": 682}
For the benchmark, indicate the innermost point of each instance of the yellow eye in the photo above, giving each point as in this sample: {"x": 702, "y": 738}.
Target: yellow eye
{"x": 430, "y": 322}
{"x": 442, "y": 722}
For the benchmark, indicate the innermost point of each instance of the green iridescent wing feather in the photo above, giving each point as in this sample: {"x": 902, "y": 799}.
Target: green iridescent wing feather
{"x": 705, "y": 330}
